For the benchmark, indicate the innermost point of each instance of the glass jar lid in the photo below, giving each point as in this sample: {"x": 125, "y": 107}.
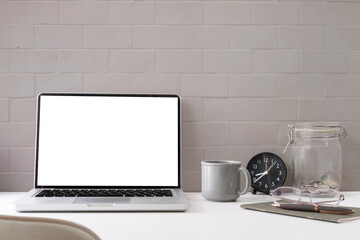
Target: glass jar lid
{"x": 314, "y": 130}
{"x": 318, "y": 130}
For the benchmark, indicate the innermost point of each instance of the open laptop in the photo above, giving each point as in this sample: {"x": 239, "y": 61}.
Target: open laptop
{"x": 106, "y": 152}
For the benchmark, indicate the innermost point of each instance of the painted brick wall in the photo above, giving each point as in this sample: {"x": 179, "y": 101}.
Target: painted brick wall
{"x": 245, "y": 70}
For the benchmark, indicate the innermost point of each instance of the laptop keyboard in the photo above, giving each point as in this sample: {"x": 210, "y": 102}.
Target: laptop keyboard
{"x": 105, "y": 193}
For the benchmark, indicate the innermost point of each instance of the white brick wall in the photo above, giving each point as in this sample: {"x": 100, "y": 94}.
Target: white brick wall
{"x": 276, "y": 61}
{"x": 4, "y": 61}
{"x": 230, "y": 109}
{"x": 21, "y": 159}
{"x": 5, "y": 12}
{"x": 112, "y": 83}
{"x": 131, "y": 13}
{"x": 157, "y": 37}
{"x": 228, "y": 13}
{"x": 253, "y": 37}
{"x": 254, "y": 134}
{"x": 4, "y": 109}
{"x": 34, "y": 13}
{"x": 34, "y": 61}
{"x": 200, "y": 85}
{"x": 192, "y": 109}
{"x": 4, "y": 160}
{"x": 281, "y": 109}
{"x": 300, "y": 86}
{"x": 315, "y": 13}
{"x": 180, "y": 61}
{"x": 83, "y": 12}
{"x": 16, "y": 85}
{"x": 22, "y": 110}
{"x": 276, "y": 13}
{"x": 83, "y": 61}
{"x": 179, "y": 13}
{"x": 353, "y": 11}
{"x": 54, "y": 36}
{"x": 107, "y": 37}
{"x": 318, "y": 109}
{"x": 16, "y": 36}
{"x": 354, "y": 62}
{"x": 195, "y": 37}
{"x": 58, "y": 83}
{"x": 244, "y": 69}
{"x": 17, "y": 134}
{"x": 342, "y": 85}
{"x": 155, "y": 83}
{"x": 324, "y": 61}
{"x": 132, "y": 61}
{"x": 252, "y": 85}
{"x": 208, "y": 134}
{"x": 227, "y": 61}
{"x": 342, "y": 37}
{"x": 301, "y": 37}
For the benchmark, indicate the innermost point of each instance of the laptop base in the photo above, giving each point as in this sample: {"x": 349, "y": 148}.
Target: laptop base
{"x": 29, "y": 203}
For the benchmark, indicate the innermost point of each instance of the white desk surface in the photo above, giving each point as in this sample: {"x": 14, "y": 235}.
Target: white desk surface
{"x": 204, "y": 220}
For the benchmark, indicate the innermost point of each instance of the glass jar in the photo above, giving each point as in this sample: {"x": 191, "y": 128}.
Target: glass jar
{"x": 316, "y": 155}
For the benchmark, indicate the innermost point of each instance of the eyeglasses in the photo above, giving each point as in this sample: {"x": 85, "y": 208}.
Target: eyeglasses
{"x": 328, "y": 197}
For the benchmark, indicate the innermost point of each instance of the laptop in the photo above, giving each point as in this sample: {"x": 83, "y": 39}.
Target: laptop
{"x": 106, "y": 152}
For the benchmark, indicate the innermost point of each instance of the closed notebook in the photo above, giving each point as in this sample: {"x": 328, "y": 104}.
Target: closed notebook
{"x": 336, "y": 218}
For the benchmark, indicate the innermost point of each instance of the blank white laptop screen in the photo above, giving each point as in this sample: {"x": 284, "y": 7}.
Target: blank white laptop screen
{"x": 108, "y": 140}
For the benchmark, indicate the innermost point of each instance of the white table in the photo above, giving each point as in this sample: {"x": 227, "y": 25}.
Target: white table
{"x": 204, "y": 220}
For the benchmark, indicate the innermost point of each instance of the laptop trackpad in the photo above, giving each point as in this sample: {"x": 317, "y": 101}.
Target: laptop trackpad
{"x": 99, "y": 200}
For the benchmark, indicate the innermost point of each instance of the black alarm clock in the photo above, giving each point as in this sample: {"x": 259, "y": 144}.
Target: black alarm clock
{"x": 267, "y": 171}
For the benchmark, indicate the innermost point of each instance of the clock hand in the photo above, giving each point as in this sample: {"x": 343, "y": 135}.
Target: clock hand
{"x": 263, "y": 174}
{"x": 271, "y": 166}
{"x": 268, "y": 176}
{"x": 260, "y": 173}
{"x": 266, "y": 168}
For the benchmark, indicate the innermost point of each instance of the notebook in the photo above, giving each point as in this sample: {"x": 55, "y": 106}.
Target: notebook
{"x": 106, "y": 152}
{"x": 335, "y": 218}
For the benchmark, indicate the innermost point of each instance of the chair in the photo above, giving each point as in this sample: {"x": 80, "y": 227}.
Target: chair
{"x": 31, "y": 228}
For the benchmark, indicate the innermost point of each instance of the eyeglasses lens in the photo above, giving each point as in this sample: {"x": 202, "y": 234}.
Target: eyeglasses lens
{"x": 329, "y": 197}
{"x": 286, "y": 195}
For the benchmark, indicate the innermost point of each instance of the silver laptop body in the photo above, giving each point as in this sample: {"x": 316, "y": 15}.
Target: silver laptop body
{"x": 126, "y": 146}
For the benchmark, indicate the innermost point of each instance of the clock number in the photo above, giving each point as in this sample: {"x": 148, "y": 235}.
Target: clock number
{"x": 266, "y": 160}
{"x": 266, "y": 186}
{"x": 260, "y": 184}
{"x": 254, "y": 166}
{"x": 258, "y": 161}
{"x": 272, "y": 184}
{"x": 254, "y": 179}
{"x": 277, "y": 165}
{"x": 278, "y": 179}
{"x": 280, "y": 172}
{"x": 252, "y": 172}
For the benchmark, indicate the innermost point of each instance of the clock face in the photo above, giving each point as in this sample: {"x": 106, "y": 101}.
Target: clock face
{"x": 267, "y": 172}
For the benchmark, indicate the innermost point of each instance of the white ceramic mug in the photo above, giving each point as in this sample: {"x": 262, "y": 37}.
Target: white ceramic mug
{"x": 220, "y": 180}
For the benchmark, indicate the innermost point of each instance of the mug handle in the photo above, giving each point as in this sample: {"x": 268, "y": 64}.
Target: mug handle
{"x": 247, "y": 180}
